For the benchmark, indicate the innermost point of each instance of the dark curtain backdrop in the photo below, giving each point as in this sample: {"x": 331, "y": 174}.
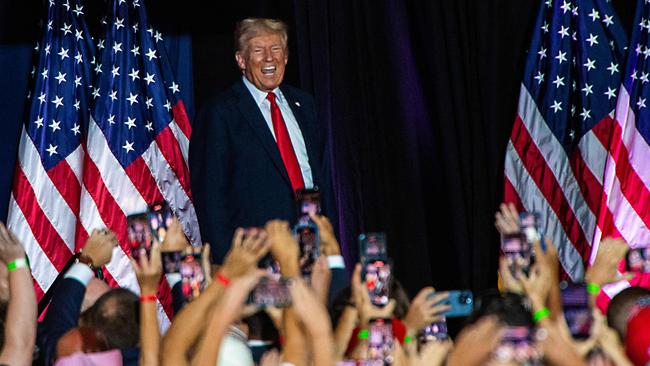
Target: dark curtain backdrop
{"x": 419, "y": 98}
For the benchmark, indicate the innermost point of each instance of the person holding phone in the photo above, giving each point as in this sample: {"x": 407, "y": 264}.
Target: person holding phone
{"x": 257, "y": 143}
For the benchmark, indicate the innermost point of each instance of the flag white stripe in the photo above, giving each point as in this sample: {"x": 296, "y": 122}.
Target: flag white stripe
{"x": 594, "y": 154}
{"x": 637, "y": 147}
{"x": 75, "y": 161}
{"x": 183, "y": 141}
{"x": 55, "y": 208}
{"x": 172, "y": 191}
{"x": 43, "y": 270}
{"x": 115, "y": 178}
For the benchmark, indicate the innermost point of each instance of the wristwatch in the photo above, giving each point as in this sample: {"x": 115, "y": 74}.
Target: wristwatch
{"x": 82, "y": 258}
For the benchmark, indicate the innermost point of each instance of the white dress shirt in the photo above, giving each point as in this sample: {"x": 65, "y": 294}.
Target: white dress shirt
{"x": 293, "y": 128}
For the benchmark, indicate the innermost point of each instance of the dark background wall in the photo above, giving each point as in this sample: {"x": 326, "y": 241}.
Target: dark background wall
{"x": 419, "y": 98}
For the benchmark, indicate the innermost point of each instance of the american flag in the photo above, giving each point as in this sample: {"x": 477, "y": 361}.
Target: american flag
{"x": 45, "y": 201}
{"x": 556, "y": 157}
{"x": 134, "y": 150}
{"x": 626, "y": 199}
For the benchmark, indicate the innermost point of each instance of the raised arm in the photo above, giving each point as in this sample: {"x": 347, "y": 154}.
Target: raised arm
{"x": 20, "y": 329}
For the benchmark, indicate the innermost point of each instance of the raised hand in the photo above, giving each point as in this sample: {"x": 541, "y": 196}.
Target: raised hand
{"x": 175, "y": 240}
{"x": 245, "y": 252}
{"x": 506, "y": 219}
{"x": 99, "y": 247}
{"x": 475, "y": 344}
{"x": 284, "y": 247}
{"x": 328, "y": 243}
{"x": 605, "y": 268}
{"x": 148, "y": 271}
{"x": 367, "y": 311}
{"x": 10, "y": 248}
{"x": 424, "y": 310}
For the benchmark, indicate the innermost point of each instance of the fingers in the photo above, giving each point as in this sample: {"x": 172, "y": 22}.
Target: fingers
{"x": 237, "y": 238}
{"x": 423, "y": 294}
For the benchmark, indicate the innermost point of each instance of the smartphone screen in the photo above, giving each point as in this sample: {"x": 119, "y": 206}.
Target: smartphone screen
{"x": 372, "y": 245}
{"x": 271, "y": 292}
{"x": 171, "y": 262}
{"x": 160, "y": 217}
{"x": 380, "y": 341}
{"x": 139, "y": 234}
{"x": 518, "y": 252}
{"x": 308, "y": 201}
{"x": 517, "y": 346}
{"x": 308, "y": 239}
{"x": 575, "y": 301}
{"x": 638, "y": 259}
{"x": 530, "y": 227}
{"x": 436, "y": 331}
{"x": 192, "y": 276}
{"x": 377, "y": 275}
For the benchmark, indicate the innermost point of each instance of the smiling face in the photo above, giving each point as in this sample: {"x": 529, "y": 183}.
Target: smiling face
{"x": 263, "y": 60}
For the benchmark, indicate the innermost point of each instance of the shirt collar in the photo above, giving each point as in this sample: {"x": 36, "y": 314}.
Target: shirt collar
{"x": 260, "y": 96}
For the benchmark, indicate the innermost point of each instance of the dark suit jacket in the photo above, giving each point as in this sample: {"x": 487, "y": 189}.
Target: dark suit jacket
{"x": 238, "y": 177}
{"x": 63, "y": 315}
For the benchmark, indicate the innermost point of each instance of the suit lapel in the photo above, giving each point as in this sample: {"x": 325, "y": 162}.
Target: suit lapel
{"x": 253, "y": 116}
{"x": 307, "y": 125}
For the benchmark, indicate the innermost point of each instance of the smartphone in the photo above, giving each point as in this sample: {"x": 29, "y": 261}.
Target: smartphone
{"x": 372, "y": 245}
{"x": 376, "y": 274}
{"x": 380, "y": 341}
{"x": 436, "y": 331}
{"x": 171, "y": 262}
{"x": 192, "y": 276}
{"x": 530, "y": 226}
{"x": 160, "y": 217}
{"x": 518, "y": 252}
{"x": 517, "y": 346}
{"x": 308, "y": 238}
{"x": 139, "y": 234}
{"x": 577, "y": 312}
{"x": 271, "y": 292}
{"x": 460, "y": 301}
{"x": 308, "y": 201}
{"x": 638, "y": 259}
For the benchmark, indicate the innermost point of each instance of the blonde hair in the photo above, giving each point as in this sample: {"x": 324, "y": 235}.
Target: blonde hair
{"x": 252, "y": 27}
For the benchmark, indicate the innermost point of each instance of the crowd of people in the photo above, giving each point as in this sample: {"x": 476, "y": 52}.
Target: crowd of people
{"x": 324, "y": 323}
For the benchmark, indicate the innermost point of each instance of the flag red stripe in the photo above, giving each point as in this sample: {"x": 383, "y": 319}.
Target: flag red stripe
{"x": 143, "y": 181}
{"x": 632, "y": 186}
{"x": 46, "y": 235}
{"x": 180, "y": 116}
{"x": 540, "y": 173}
{"x": 109, "y": 210}
{"x": 510, "y": 195}
{"x": 67, "y": 184}
{"x": 169, "y": 148}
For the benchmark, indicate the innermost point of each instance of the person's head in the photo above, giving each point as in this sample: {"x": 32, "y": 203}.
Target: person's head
{"x": 116, "y": 316}
{"x": 619, "y": 307}
{"x": 262, "y": 51}
{"x": 637, "y": 341}
{"x": 507, "y": 307}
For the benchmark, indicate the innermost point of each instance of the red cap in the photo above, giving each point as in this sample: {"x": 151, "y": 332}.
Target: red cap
{"x": 637, "y": 340}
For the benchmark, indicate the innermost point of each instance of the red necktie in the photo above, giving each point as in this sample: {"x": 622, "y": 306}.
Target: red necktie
{"x": 284, "y": 144}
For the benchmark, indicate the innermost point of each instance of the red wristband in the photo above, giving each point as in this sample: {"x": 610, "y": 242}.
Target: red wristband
{"x": 222, "y": 279}
{"x": 147, "y": 298}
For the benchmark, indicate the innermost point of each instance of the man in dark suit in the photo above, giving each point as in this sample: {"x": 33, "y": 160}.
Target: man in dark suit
{"x": 257, "y": 143}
